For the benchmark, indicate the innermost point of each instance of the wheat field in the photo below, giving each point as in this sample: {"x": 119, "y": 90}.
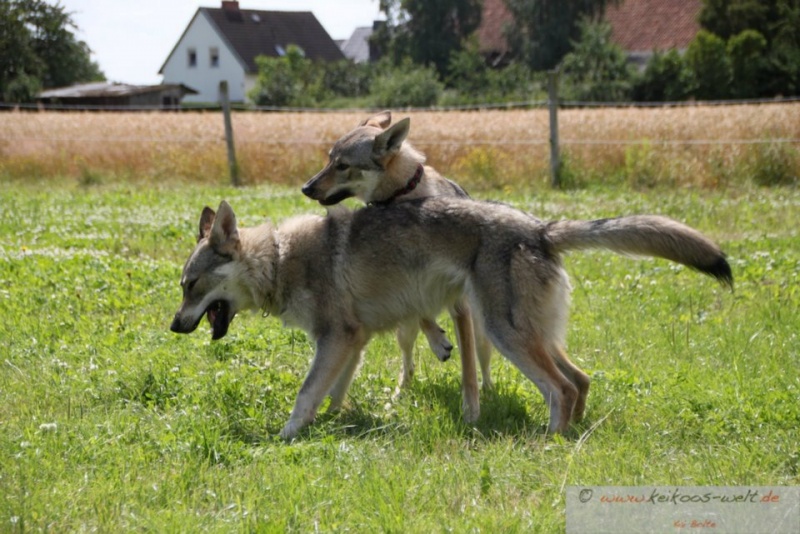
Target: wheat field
{"x": 686, "y": 146}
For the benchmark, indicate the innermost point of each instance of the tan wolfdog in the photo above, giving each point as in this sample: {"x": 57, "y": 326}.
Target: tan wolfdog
{"x": 374, "y": 164}
{"x": 345, "y": 276}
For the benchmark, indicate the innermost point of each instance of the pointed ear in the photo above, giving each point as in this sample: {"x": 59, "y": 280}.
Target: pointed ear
{"x": 381, "y": 120}
{"x": 224, "y": 236}
{"x": 389, "y": 140}
{"x": 206, "y": 220}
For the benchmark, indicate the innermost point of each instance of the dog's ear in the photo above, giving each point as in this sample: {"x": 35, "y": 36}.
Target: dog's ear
{"x": 381, "y": 120}
{"x": 206, "y": 220}
{"x": 224, "y": 236}
{"x": 389, "y": 141}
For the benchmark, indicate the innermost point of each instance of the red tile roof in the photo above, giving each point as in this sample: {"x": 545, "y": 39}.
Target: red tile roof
{"x": 647, "y": 25}
{"x": 637, "y": 25}
{"x": 490, "y": 33}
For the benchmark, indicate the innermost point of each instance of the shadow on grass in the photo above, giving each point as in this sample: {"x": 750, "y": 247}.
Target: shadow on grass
{"x": 430, "y": 409}
{"x": 504, "y": 413}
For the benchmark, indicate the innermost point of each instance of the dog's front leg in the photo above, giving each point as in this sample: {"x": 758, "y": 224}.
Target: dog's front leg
{"x": 333, "y": 357}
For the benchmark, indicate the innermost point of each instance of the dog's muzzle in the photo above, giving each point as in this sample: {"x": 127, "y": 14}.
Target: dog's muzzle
{"x": 179, "y": 327}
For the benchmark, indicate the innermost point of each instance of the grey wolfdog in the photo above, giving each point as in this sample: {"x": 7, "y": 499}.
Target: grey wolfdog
{"x": 373, "y": 163}
{"x": 345, "y": 276}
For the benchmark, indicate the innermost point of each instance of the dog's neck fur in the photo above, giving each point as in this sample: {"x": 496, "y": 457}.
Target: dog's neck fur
{"x": 259, "y": 256}
{"x": 402, "y": 169}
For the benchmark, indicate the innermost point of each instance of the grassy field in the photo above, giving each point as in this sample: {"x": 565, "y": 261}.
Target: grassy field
{"x": 700, "y": 147}
{"x": 109, "y": 422}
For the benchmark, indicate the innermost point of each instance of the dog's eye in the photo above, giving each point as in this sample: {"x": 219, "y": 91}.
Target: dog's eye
{"x": 342, "y": 166}
{"x": 191, "y": 285}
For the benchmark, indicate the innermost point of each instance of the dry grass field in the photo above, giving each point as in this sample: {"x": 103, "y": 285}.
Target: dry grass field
{"x": 705, "y": 147}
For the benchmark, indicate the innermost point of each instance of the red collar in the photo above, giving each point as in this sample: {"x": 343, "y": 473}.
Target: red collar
{"x": 410, "y": 186}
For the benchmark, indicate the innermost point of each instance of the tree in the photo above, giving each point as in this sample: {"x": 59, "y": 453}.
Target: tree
{"x": 38, "y": 49}
{"x": 777, "y": 21}
{"x": 597, "y": 69}
{"x": 290, "y": 80}
{"x": 541, "y": 31}
{"x": 748, "y": 67}
{"x": 708, "y": 61}
{"x": 727, "y": 18}
{"x": 665, "y": 79}
{"x": 406, "y": 85}
{"x": 428, "y": 31}
{"x": 468, "y": 71}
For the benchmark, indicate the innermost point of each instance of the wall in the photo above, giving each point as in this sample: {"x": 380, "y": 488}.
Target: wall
{"x": 203, "y": 78}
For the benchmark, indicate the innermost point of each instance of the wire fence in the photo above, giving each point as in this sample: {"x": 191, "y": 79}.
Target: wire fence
{"x": 540, "y": 133}
{"x": 525, "y": 104}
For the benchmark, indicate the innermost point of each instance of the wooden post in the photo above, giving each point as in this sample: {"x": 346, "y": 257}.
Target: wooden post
{"x": 226, "y": 113}
{"x": 552, "y": 101}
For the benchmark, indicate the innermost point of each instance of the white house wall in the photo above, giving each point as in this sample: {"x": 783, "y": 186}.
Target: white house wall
{"x": 202, "y": 37}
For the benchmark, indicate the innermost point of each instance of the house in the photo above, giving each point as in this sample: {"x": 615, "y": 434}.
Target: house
{"x": 638, "y": 26}
{"x": 358, "y": 48}
{"x": 223, "y": 43}
{"x": 641, "y": 26}
{"x": 105, "y": 94}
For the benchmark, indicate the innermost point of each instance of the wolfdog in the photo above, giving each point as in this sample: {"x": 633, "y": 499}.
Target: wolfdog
{"x": 374, "y": 164}
{"x": 344, "y": 276}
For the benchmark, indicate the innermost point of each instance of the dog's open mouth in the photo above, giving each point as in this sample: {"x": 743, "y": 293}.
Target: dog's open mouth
{"x": 220, "y": 317}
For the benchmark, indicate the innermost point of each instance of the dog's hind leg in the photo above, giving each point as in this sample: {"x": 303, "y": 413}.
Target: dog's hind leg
{"x": 574, "y": 374}
{"x": 342, "y": 384}
{"x": 537, "y": 362}
{"x": 462, "y": 318}
{"x": 334, "y": 354}
{"x": 483, "y": 348}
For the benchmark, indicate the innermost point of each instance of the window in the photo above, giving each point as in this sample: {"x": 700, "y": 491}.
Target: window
{"x": 213, "y": 57}
{"x": 192, "y": 57}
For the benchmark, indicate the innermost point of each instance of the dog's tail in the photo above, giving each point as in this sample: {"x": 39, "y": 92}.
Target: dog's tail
{"x": 648, "y": 235}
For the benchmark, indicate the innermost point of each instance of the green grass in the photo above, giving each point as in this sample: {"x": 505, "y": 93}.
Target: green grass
{"x": 110, "y": 422}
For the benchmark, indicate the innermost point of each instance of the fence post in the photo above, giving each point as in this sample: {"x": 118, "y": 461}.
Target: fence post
{"x": 552, "y": 101}
{"x": 226, "y": 113}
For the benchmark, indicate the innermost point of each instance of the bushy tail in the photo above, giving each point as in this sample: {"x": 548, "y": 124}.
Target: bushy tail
{"x": 647, "y": 235}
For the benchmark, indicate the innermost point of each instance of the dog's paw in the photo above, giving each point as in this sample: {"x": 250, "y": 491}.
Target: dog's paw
{"x": 487, "y": 384}
{"x": 472, "y": 410}
{"x": 290, "y": 430}
{"x": 406, "y": 377}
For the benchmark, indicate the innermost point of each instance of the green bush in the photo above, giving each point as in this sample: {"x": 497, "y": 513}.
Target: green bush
{"x": 407, "y": 85}
{"x": 345, "y": 79}
{"x": 773, "y": 164}
{"x": 746, "y": 51}
{"x": 666, "y": 78}
{"x": 467, "y": 70}
{"x": 290, "y": 80}
{"x": 596, "y": 69}
{"x": 708, "y": 61}
{"x": 472, "y": 81}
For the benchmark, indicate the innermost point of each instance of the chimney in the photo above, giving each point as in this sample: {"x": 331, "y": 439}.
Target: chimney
{"x": 230, "y": 5}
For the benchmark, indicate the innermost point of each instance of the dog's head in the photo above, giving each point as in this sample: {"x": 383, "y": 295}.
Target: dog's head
{"x": 209, "y": 281}
{"x": 358, "y": 160}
